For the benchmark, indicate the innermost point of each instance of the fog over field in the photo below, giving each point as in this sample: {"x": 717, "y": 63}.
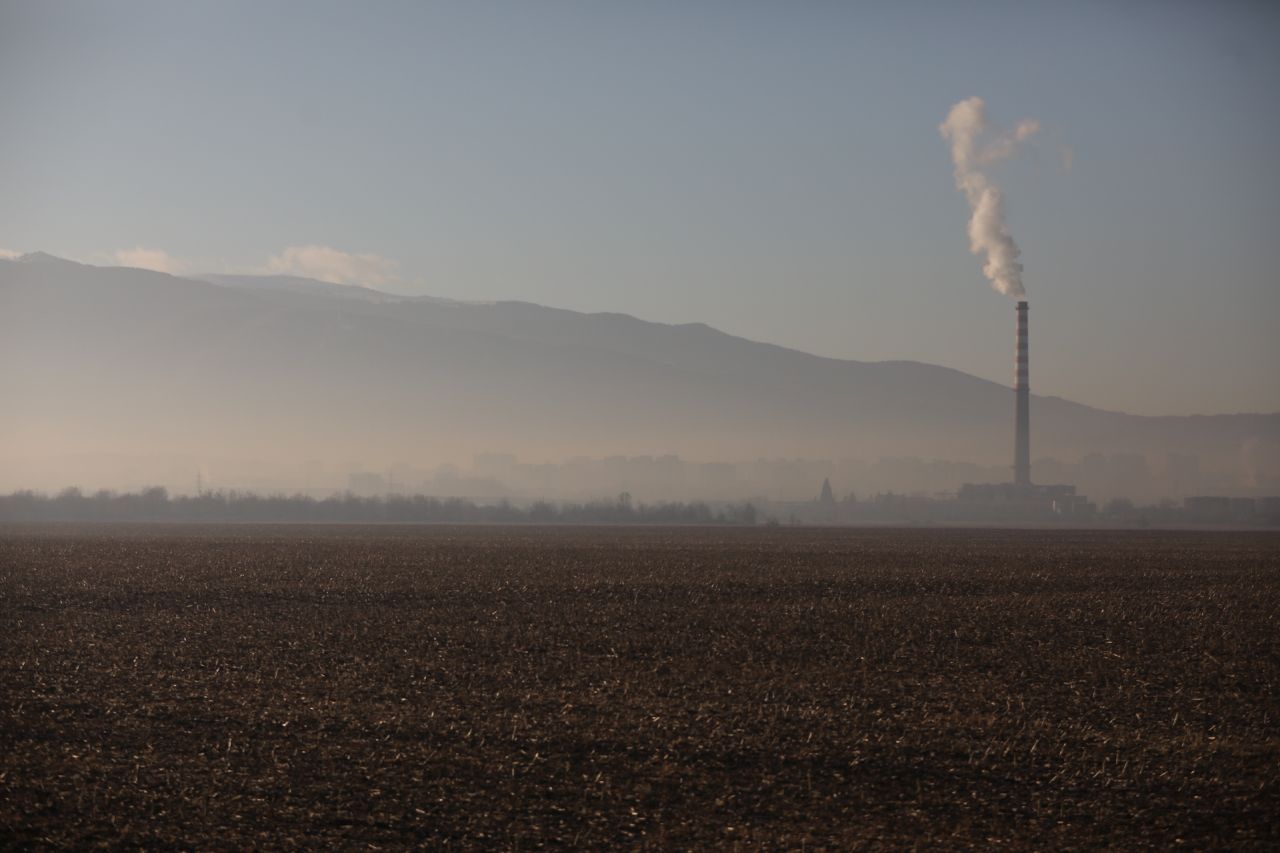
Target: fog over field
{"x": 121, "y": 377}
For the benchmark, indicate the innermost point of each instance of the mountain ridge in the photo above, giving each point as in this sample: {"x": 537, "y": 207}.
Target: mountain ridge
{"x": 117, "y": 358}
{"x": 262, "y": 284}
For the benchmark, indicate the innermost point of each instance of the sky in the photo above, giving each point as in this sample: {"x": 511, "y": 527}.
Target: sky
{"x": 772, "y": 169}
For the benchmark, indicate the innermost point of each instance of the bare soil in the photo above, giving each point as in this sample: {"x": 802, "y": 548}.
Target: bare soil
{"x": 522, "y": 687}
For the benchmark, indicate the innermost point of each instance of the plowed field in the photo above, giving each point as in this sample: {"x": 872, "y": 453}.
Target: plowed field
{"x": 363, "y": 687}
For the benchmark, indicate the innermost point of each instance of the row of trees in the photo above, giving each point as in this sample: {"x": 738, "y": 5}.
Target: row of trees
{"x": 156, "y": 504}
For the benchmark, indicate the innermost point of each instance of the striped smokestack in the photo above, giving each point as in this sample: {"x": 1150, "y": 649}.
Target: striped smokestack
{"x": 1022, "y": 415}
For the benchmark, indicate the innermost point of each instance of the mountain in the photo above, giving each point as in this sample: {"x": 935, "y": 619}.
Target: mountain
{"x": 109, "y": 360}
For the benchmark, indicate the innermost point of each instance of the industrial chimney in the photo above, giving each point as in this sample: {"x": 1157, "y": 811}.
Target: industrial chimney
{"x": 1022, "y": 415}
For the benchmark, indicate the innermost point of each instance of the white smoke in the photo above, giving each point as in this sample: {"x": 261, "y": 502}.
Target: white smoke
{"x": 975, "y": 144}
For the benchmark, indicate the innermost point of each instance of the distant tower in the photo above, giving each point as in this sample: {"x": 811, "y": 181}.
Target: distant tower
{"x": 827, "y": 497}
{"x": 1022, "y": 406}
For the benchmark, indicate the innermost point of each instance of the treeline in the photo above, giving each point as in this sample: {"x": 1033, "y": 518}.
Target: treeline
{"x": 156, "y": 504}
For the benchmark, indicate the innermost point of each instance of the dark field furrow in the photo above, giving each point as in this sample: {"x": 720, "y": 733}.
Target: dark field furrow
{"x": 524, "y": 687}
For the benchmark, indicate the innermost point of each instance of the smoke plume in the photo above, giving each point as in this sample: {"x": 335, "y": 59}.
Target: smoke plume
{"x": 976, "y": 144}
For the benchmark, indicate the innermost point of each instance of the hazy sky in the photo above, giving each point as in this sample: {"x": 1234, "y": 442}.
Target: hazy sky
{"x": 772, "y": 169}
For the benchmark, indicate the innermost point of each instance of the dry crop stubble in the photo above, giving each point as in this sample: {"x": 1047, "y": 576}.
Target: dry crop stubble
{"x": 278, "y": 686}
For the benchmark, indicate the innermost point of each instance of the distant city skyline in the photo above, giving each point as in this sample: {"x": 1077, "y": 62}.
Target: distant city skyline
{"x": 771, "y": 170}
